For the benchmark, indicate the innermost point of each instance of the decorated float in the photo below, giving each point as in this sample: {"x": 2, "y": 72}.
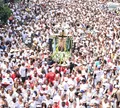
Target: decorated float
{"x": 61, "y": 47}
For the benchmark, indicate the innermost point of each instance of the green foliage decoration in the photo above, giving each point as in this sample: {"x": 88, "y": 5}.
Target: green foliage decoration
{"x": 61, "y": 56}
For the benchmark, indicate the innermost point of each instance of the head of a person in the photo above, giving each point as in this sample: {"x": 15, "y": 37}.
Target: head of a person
{"x": 71, "y": 88}
{"x": 97, "y": 88}
{"x": 105, "y": 100}
{"x": 28, "y": 92}
{"x": 14, "y": 100}
{"x": 25, "y": 86}
{"x": 63, "y": 104}
{"x": 49, "y": 106}
{"x": 23, "y": 64}
{"x": 26, "y": 105}
{"x": 20, "y": 98}
{"x": 44, "y": 105}
{"x": 10, "y": 92}
{"x": 16, "y": 85}
{"x": 48, "y": 96}
{"x": 71, "y": 100}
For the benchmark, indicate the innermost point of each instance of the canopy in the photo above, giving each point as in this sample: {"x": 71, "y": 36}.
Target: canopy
{"x": 112, "y": 5}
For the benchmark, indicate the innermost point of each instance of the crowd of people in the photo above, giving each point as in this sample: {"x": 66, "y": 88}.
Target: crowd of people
{"x": 30, "y": 78}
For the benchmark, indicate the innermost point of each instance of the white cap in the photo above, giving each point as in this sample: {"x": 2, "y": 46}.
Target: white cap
{"x": 66, "y": 79}
{"x": 40, "y": 81}
{"x": 43, "y": 101}
{"x": 117, "y": 86}
{"x": 33, "y": 95}
{"x": 56, "y": 99}
{"x": 43, "y": 86}
{"x": 71, "y": 86}
{"x": 41, "y": 91}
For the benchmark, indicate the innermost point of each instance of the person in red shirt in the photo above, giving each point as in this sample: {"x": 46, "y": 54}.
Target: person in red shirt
{"x": 55, "y": 105}
{"x": 50, "y": 76}
{"x": 13, "y": 75}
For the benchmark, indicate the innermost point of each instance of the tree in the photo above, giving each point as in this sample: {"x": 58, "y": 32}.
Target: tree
{"x": 5, "y": 13}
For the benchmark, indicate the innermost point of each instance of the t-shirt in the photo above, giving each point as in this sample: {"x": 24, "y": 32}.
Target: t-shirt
{"x": 33, "y": 104}
{"x": 14, "y": 105}
{"x": 97, "y": 63}
{"x": 56, "y": 106}
{"x": 22, "y": 71}
{"x": 50, "y": 76}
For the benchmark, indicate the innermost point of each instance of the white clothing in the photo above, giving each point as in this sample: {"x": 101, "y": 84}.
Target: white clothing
{"x": 22, "y": 71}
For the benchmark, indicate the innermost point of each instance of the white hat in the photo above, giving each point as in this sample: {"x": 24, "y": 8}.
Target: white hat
{"x": 72, "y": 76}
{"x": 92, "y": 102}
{"x": 66, "y": 79}
{"x": 41, "y": 91}
{"x": 56, "y": 99}
{"x": 33, "y": 95}
{"x": 48, "y": 92}
{"x": 6, "y": 60}
{"x": 44, "y": 86}
{"x": 71, "y": 86}
{"x": 40, "y": 80}
{"x": 44, "y": 101}
{"x": 117, "y": 86}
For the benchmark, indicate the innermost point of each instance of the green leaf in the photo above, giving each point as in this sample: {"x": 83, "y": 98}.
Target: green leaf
{"x": 5, "y": 13}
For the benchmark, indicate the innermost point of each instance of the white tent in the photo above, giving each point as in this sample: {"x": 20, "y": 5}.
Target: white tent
{"x": 112, "y": 5}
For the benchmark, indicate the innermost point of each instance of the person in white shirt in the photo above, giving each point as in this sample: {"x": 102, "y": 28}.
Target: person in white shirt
{"x": 63, "y": 105}
{"x": 14, "y": 104}
{"x": 22, "y": 72}
{"x": 105, "y": 103}
{"x": 33, "y": 102}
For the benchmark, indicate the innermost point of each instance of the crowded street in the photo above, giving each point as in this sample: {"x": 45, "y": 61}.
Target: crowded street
{"x": 89, "y": 78}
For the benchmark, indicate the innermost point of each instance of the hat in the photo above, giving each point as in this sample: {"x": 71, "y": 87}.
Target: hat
{"x": 42, "y": 92}
{"x": 60, "y": 87}
{"x": 33, "y": 95}
{"x": 95, "y": 95}
{"x": 66, "y": 79}
{"x": 71, "y": 86}
{"x": 72, "y": 76}
{"x": 80, "y": 94}
{"x": 43, "y": 101}
{"x": 14, "y": 50}
{"x": 82, "y": 91}
{"x": 40, "y": 81}
{"x": 82, "y": 78}
{"x": 43, "y": 86}
{"x": 117, "y": 86}
{"x": 31, "y": 66}
{"x": 91, "y": 102}
{"x": 99, "y": 66}
{"x": 3, "y": 96}
{"x": 48, "y": 93}
{"x": 45, "y": 62}
{"x": 56, "y": 99}
{"x": 32, "y": 56}
{"x": 118, "y": 78}
{"x": 64, "y": 64}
